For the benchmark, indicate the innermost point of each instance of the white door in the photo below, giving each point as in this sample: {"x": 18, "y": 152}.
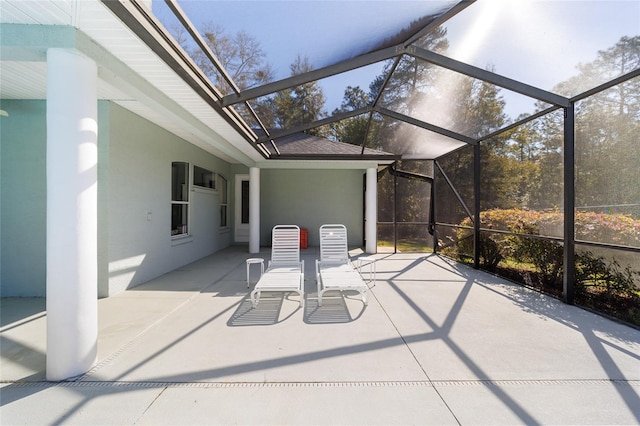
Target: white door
{"x": 242, "y": 209}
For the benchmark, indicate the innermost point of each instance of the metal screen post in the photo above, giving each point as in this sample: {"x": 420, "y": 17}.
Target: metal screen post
{"x": 568, "y": 279}
{"x": 371, "y": 211}
{"x": 432, "y": 215}
{"x": 395, "y": 208}
{"x": 476, "y": 206}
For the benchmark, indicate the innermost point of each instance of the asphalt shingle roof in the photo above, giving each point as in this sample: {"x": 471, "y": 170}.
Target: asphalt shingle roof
{"x": 305, "y": 144}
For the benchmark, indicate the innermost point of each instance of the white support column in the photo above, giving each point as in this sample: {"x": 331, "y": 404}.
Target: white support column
{"x": 371, "y": 211}
{"x": 72, "y": 214}
{"x": 254, "y": 210}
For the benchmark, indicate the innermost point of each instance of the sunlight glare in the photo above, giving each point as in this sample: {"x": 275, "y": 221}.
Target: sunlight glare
{"x": 472, "y": 38}
{"x": 476, "y": 33}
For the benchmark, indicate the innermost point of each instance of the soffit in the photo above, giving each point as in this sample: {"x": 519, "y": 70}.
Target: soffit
{"x": 121, "y": 57}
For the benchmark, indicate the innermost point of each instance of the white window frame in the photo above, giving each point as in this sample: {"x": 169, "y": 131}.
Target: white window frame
{"x": 222, "y": 184}
{"x": 213, "y": 181}
{"x": 177, "y": 233}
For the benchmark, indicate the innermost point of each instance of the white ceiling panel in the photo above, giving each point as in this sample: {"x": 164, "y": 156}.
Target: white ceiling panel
{"x": 37, "y": 12}
{"x": 23, "y": 80}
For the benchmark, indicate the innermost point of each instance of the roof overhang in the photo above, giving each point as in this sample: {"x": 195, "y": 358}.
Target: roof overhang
{"x": 129, "y": 72}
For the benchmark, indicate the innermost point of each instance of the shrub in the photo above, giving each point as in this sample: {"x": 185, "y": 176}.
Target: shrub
{"x": 607, "y": 287}
{"x": 490, "y": 250}
{"x": 602, "y": 284}
{"x": 589, "y": 226}
{"x": 595, "y": 271}
{"x": 546, "y": 255}
{"x": 608, "y": 228}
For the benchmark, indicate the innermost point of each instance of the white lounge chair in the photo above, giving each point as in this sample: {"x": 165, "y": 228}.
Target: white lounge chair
{"x": 334, "y": 270}
{"x": 285, "y": 271}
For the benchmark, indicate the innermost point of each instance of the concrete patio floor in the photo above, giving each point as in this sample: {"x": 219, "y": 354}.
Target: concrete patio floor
{"x": 439, "y": 343}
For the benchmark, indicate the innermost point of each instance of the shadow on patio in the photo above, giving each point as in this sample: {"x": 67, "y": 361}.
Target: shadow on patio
{"x": 438, "y": 343}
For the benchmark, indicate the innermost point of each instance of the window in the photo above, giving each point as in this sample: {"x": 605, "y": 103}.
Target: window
{"x": 244, "y": 214}
{"x": 179, "y": 198}
{"x": 204, "y": 178}
{"x": 222, "y": 187}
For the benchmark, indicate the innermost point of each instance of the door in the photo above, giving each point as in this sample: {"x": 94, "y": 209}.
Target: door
{"x": 241, "y": 234}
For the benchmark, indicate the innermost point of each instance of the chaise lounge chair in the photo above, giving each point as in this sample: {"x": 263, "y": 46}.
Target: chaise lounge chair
{"x": 334, "y": 270}
{"x": 285, "y": 271}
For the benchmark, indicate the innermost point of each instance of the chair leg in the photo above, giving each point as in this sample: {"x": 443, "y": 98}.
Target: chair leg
{"x": 255, "y": 298}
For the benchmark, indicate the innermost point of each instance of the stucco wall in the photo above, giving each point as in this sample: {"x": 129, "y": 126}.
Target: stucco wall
{"x": 134, "y": 195}
{"x": 23, "y": 199}
{"x": 311, "y": 198}
{"x": 139, "y": 217}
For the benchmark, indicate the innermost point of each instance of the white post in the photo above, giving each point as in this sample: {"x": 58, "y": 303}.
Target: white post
{"x": 254, "y": 210}
{"x": 371, "y": 212}
{"x": 72, "y": 214}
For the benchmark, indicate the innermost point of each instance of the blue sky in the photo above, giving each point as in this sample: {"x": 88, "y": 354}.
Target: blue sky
{"x": 284, "y": 30}
{"x": 325, "y": 31}
{"x": 538, "y": 42}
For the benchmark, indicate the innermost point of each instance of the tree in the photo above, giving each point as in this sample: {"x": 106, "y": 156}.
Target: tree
{"x": 240, "y": 55}
{"x": 607, "y": 125}
{"x": 298, "y": 105}
{"x": 354, "y": 129}
{"x": 523, "y": 165}
{"x": 411, "y": 75}
{"x": 245, "y": 62}
{"x": 479, "y": 110}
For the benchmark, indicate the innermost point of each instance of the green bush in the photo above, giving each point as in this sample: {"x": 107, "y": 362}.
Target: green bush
{"x": 590, "y": 226}
{"x": 607, "y": 287}
{"x": 524, "y": 255}
{"x": 490, "y": 251}
{"x": 546, "y": 255}
{"x": 594, "y": 271}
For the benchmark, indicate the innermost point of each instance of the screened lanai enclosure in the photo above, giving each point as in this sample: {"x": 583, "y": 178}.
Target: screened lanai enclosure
{"x": 507, "y": 133}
